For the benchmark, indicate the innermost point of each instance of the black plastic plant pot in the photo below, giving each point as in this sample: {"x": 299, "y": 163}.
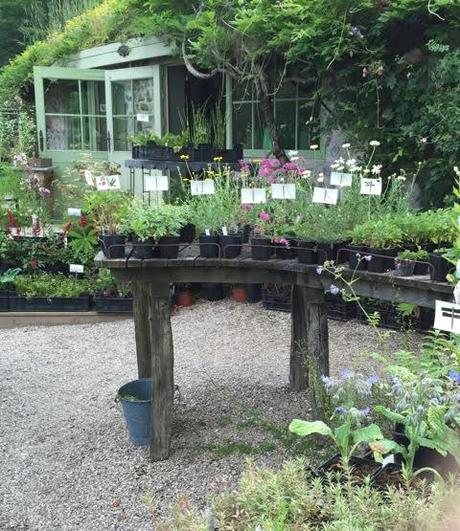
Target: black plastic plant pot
{"x": 4, "y": 301}
{"x": 306, "y": 252}
{"x": 209, "y": 246}
{"x": 362, "y": 467}
{"x": 356, "y": 254}
{"x": 136, "y": 151}
{"x": 231, "y": 245}
{"x": 143, "y": 250}
{"x": 168, "y": 247}
{"x": 383, "y": 262}
{"x": 404, "y": 268}
{"x": 113, "y": 304}
{"x": 327, "y": 251}
{"x": 55, "y": 304}
{"x": 261, "y": 248}
{"x": 285, "y": 252}
{"x": 113, "y": 245}
{"x": 187, "y": 233}
{"x": 387, "y": 476}
{"x": 421, "y": 268}
{"x": 246, "y": 232}
{"x": 254, "y": 293}
{"x": 214, "y": 292}
{"x": 441, "y": 267}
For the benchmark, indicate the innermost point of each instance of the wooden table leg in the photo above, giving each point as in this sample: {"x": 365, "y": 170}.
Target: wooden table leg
{"x": 141, "y": 327}
{"x": 309, "y": 345}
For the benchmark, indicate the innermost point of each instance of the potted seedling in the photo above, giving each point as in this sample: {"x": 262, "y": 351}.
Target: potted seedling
{"x": 111, "y": 296}
{"x": 307, "y": 252}
{"x": 170, "y": 219}
{"x": 140, "y": 221}
{"x": 6, "y": 284}
{"x": 406, "y": 261}
{"x": 261, "y": 241}
{"x": 105, "y": 210}
{"x": 443, "y": 232}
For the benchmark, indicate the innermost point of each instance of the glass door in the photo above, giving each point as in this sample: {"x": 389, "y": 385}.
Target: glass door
{"x": 71, "y": 113}
{"x": 133, "y": 107}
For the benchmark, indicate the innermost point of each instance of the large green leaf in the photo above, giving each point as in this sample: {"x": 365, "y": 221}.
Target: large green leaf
{"x": 368, "y": 434}
{"x": 391, "y": 415}
{"x": 304, "y": 428}
{"x": 384, "y": 447}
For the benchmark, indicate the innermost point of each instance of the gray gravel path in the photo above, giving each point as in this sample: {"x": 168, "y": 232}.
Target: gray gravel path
{"x": 65, "y": 460}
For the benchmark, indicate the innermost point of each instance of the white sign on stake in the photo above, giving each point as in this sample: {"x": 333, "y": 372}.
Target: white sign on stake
{"x": 205, "y": 187}
{"x": 283, "y": 191}
{"x": 341, "y": 179}
{"x": 156, "y": 183}
{"x": 224, "y": 231}
{"x": 76, "y": 268}
{"x": 142, "y": 117}
{"x": 371, "y": 186}
{"x": 74, "y": 212}
{"x": 108, "y": 182}
{"x": 447, "y": 317}
{"x": 328, "y": 196}
{"x": 88, "y": 177}
{"x": 253, "y": 196}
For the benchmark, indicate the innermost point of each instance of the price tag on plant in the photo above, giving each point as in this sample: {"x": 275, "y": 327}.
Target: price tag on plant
{"x": 156, "y": 183}
{"x": 142, "y": 117}
{"x": 224, "y": 231}
{"x": 328, "y": 196}
{"x": 457, "y": 291}
{"x": 88, "y": 177}
{"x": 207, "y": 232}
{"x": 250, "y": 196}
{"x": 205, "y": 187}
{"x": 371, "y": 186}
{"x": 283, "y": 191}
{"x": 74, "y": 212}
{"x": 341, "y": 179}
{"x": 76, "y": 268}
{"x": 447, "y": 317}
{"x": 108, "y": 182}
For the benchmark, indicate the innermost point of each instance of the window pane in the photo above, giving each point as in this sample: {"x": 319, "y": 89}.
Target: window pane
{"x": 285, "y": 112}
{"x": 309, "y": 130}
{"x": 61, "y": 96}
{"x": 261, "y": 135}
{"x": 143, "y": 95}
{"x": 93, "y": 97}
{"x": 242, "y": 91}
{"x": 287, "y": 90}
{"x": 242, "y": 125}
{"x": 63, "y": 132}
{"x": 122, "y": 129}
{"x": 122, "y": 98}
{"x": 95, "y": 133}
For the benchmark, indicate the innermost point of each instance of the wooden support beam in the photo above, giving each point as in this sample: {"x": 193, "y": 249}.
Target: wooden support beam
{"x": 141, "y": 328}
{"x": 309, "y": 346}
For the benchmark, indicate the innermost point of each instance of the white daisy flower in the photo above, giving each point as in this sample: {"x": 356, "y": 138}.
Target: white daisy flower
{"x": 374, "y": 143}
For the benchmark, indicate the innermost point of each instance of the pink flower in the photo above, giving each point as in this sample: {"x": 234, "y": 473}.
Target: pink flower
{"x": 291, "y": 166}
{"x": 265, "y": 172}
{"x": 247, "y": 207}
{"x": 282, "y": 241}
{"x": 264, "y": 216}
{"x": 43, "y": 192}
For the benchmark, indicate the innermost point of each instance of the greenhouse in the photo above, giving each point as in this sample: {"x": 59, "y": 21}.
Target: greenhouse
{"x": 230, "y": 265}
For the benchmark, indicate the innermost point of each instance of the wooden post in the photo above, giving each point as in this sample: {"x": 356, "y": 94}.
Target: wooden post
{"x": 309, "y": 346}
{"x": 141, "y": 327}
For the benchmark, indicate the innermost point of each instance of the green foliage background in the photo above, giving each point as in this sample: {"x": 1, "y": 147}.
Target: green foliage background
{"x": 379, "y": 69}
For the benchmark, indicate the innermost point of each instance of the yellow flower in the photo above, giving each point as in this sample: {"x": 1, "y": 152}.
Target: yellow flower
{"x": 218, "y": 159}
{"x": 184, "y": 157}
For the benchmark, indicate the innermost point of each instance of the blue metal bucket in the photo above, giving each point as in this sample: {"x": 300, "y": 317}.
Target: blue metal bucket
{"x": 137, "y": 412}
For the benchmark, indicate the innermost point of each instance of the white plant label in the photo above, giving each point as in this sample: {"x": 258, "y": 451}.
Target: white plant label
{"x": 205, "y": 187}
{"x": 74, "y": 212}
{"x": 224, "y": 231}
{"x": 250, "y": 196}
{"x": 76, "y": 268}
{"x": 328, "y": 196}
{"x": 142, "y": 117}
{"x": 207, "y": 232}
{"x": 447, "y": 317}
{"x": 283, "y": 191}
{"x": 457, "y": 292}
{"x": 371, "y": 186}
{"x": 341, "y": 179}
{"x": 88, "y": 177}
{"x": 108, "y": 182}
{"x": 388, "y": 460}
{"x": 156, "y": 183}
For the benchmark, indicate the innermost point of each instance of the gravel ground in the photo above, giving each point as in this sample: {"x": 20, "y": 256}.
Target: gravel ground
{"x": 65, "y": 459}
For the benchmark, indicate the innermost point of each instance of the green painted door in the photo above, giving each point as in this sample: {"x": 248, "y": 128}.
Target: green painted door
{"x": 134, "y": 106}
{"x": 71, "y": 113}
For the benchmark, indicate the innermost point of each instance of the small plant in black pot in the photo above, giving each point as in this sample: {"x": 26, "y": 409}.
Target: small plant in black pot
{"x": 406, "y": 261}
{"x": 140, "y": 221}
{"x": 261, "y": 242}
{"x": 169, "y": 220}
{"x": 307, "y": 252}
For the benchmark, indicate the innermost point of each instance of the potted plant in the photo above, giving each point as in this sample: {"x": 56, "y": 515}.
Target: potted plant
{"x": 6, "y": 285}
{"x": 140, "y": 221}
{"x": 443, "y": 231}
{"x": 110, "y": 296}
{"x": 184, "y": 296}
{"x": 307, "y": 252}
{"x": 170, "y": 219}
{"x": 261, "y": 241}
{"x": 239, "y": 294}
{"x": 105, "y": 210}
{"x": 406, "y": 260}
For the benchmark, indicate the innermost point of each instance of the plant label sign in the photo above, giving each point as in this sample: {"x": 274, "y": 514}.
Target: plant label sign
{"x": 224, "y": 231}
{"x": 88, "y": 177}
{"x": 447, "y": 317}
{"x": 76, "y": 268}
{"x": 156, "y": 183}
{"x": 205, "y": 187}
{"x": 371, "y": 186}
{"x": 142, "y": 117}
{"x": 457, "y": 290}
{"x": 74, "y": 212}
{"x": 108, "y": 182}
{"x": 251, "y": 196}
{"x": 283, "y": 191}
{"x": 328, "y": 196}
{"x": 341, "y": 179}
{"x": 207, "y": 232}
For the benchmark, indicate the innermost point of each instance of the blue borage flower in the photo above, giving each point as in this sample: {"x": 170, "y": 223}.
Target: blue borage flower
{"x": 319, "y": 270}
{"x": 334, "y": 290}
{"x": 455, "y": 375}
{"x": 346, "y": 374}
{"x": 341, "y": 410}
{"x": 372, "y": 380}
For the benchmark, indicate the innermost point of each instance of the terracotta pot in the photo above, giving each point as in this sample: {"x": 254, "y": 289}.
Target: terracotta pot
{"x": 184, "y": 299}
{"x": 239, "y": 294}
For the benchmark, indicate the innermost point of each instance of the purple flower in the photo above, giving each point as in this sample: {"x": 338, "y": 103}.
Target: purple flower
{"x": 346, "y": 373}
{"x": 372, "y": 380}
{"x": 455, "y": 375}
{"x": 319, "y": 270}
{"x": 282, "y": 241}
{"x": 341, "y": 410}
{"x": 356, "y": 32}
{"x": 334, "y": 289}
{"x": 327, "y": 381}
{"x": 364, "y": 412}
{"x": 43, "y": 192}
{"x": 368, "y": 258}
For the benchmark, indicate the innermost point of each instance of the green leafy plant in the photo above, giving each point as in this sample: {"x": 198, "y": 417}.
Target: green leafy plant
{"x": 420, "y": 255}
{"x": 82, "y": 243}
{"x": 49, "y": 286}
{"x": 106, "y": 209}
{"x": 377, "y": 233}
